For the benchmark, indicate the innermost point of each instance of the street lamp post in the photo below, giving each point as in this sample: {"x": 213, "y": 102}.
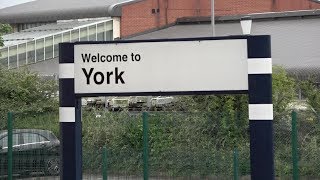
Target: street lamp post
{"x": 212, "y": 18}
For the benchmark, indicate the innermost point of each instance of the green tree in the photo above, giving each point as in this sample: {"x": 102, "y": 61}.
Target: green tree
{"x": 24, "y": 92}
{"x": 312, "y": 94}
{"x": 4, "y": 29}
{"x": 283, "y": 92}
{"x": 227, "y": 116}
{"x": 231, "y": 111}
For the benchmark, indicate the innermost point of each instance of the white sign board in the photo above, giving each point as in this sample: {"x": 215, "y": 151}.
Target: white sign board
{"x": 177, "y": 66}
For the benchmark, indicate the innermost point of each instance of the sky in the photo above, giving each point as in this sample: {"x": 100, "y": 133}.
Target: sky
{"x": 7, "y": 3}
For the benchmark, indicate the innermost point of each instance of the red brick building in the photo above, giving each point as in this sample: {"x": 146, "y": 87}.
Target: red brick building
{"x": 41, "y": 25}
{"x": 137, "y": 16}
{"x": 149, "y": 14}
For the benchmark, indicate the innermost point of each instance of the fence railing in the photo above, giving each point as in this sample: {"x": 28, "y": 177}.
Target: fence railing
{"x": 158, "y": 146}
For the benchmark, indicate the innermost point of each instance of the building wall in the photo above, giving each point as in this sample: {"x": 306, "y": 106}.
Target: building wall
{"x": 149, "y": 14}
{"x": 289, "y": 5}
{"x": 232, "y": 7}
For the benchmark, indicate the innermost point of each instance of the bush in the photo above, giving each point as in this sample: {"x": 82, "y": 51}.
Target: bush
{"x": 25, "y": 93}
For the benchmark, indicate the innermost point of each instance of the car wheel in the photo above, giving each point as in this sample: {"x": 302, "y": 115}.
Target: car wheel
{"x": 52, "y": 166}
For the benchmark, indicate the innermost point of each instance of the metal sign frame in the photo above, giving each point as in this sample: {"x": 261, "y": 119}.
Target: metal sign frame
{"x": 259, "y": 93}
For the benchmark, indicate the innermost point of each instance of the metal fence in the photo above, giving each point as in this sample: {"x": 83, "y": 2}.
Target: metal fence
{"x": 157, "y": 145}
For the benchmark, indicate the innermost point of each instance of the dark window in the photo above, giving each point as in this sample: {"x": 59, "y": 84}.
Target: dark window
{"x": 22, "y": 54}
{"x": 32, "y": 138}
{"x": 13, "y": 57}
{"x": 31, "y": 52}
{"x": 40, "y": 49}
{"x": 4, "y": 140}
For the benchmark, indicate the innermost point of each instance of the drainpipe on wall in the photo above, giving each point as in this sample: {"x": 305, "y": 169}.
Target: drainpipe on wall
{"x": 198, "y": 8}
{"x": 158, "y": 14}
{"x": 274, "y": 5}
{"x": 166, "y": 11}
{"x": 116, "y": 28}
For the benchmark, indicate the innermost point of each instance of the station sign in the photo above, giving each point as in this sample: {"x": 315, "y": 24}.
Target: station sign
{"x": 167, "y": 66}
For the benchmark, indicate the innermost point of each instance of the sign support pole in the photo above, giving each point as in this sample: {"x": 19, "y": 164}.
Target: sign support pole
{"x": 260, "y": 108}
{"x": 253, "y": 77}
{"x": 69, "y": 117}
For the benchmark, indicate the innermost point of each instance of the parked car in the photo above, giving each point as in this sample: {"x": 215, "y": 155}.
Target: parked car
{"x": 34, "y": 150}
{"x": 118, "y": 103}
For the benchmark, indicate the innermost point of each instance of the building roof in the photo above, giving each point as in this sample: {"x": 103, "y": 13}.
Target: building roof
{"x": 53, "y": 10}
{"x": 8, "y": 3}
{"x": 295, "y": 41}
{"x": 47, "y": 30}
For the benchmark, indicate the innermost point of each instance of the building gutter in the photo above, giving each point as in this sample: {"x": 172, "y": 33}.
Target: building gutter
{"x": 272, "y": 15}
{"x": 254, "y": 16}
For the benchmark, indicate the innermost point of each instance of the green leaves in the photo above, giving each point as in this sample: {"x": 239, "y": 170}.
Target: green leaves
{"x": 283, "y": 92}
{"x": 4, "y": 29}
{"x": 25, "y": 92}
{"x": 312, "y": 94}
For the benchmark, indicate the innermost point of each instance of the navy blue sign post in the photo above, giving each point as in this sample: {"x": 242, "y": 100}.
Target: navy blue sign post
{"x": 260, "y": 108}
{"x": 206, "y": 66}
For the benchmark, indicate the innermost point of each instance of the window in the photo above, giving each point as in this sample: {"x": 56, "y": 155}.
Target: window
{"x": 32, "y": 138}
{"x": 40, "y": 49}
{"x": 4, "y": 140}
{"x": 4, "y": 57}
{"x": 108, "y": 31}
{"x": 75, "y": 35}
{"x": 83, "y": 34}
{"x": 109, "y": 35}
{"x": 66, "y": 36}
{"x": 22, "y": 54}
{"x": 101, "y": 32}
{"x": 30, "y": 52}
{"x": 49, "y": 47}
{"x": 92, "y": 33}
{"x": 13, "y": 57}
{"x": 57, "y": 40}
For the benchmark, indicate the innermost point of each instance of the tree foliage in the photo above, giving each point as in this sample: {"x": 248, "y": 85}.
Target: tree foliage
{"x": 227, "y": 116}
{"x": 25, "y": 92}
{"x": 312, "y": 94}
{"x": 198, "y": 140}
{"x": 283, "y": 92}
{"x": 232, "y": 110}
{"x": 4, "y": 28}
